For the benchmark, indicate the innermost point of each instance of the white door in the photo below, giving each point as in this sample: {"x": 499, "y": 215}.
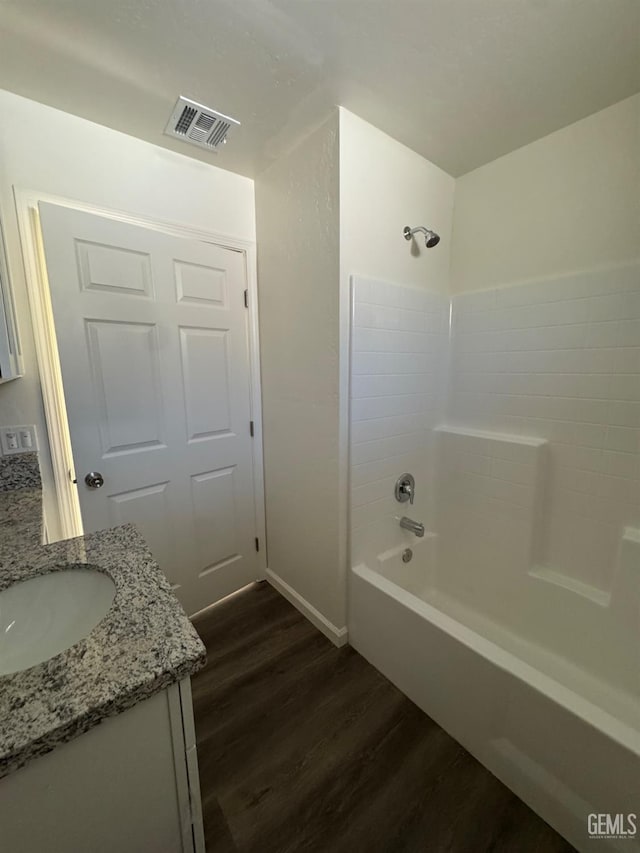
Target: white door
{"x": 153, "y": 343}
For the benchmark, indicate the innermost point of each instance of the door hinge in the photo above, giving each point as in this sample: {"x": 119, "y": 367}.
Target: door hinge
{"x": 257, "y": 544}
{"x": 251, "y": 430}
{"x": 246, "y": 299}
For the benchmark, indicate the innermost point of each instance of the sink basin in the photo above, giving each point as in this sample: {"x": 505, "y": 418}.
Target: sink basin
{"x": 45, "y": 615}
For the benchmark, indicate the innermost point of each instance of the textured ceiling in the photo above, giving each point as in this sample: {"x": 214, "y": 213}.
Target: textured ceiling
{"x": 459, "y": 81}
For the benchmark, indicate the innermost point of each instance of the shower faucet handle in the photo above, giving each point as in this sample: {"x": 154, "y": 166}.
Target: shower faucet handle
{"x": 405, "y": 488}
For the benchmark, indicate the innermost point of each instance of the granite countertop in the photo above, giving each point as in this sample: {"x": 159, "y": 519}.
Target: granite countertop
{"x": 20, "y": 501}
{"x": 20, "y": 518}
{"x": 144, "y": 644}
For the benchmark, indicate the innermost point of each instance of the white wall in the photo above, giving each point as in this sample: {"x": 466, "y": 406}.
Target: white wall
{"x": 548, "y": 347}
{"x": 298, "y": 269}
{"x": 383, "y": 187}
{"x": 52, "y": 152}
{"x": 322, "y": 218}
{"x": 568, "y": 202}
{"x": 553, "y": 352}
{"x": 546, "y": 351}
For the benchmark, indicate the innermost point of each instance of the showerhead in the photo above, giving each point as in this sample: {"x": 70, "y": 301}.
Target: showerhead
{"x": 431, "y": 239}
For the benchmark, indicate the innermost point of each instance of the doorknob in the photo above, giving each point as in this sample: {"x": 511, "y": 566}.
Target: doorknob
{"x": 94, "y": 480}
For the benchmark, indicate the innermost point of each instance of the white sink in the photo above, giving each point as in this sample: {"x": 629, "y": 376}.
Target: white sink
{"x": 45, "y": 615}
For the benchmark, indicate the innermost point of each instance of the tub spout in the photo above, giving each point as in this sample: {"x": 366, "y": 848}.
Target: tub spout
{"x": 413, "y": 526}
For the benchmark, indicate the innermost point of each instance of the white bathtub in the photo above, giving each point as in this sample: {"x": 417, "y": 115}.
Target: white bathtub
{"x": 564, "y": 741}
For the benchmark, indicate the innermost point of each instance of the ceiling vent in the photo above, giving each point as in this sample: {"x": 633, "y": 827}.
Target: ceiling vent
{"x": 198, "y": 125}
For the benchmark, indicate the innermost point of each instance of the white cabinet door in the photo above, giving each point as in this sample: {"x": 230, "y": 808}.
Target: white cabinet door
{"x": 122, "y": 787}
{"x": 153, "y": 344}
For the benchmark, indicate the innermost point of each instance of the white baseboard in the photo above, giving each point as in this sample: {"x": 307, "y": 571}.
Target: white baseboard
{"x": 338, "y": 636}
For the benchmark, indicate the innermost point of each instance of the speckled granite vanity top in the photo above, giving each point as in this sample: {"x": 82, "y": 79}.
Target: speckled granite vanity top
{"x": 20, "y": 518}
{"x": 144, "y": 644}
{"x": 20, "y": 501}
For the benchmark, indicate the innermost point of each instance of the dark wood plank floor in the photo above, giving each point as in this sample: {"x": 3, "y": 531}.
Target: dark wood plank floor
{"x": 305, "y": 747}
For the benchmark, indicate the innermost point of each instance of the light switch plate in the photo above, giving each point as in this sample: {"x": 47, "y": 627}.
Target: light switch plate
{"x": 18, "y": 439}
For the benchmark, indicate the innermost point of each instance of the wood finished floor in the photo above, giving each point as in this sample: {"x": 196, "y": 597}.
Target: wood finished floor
{"x": 305, "y": 747}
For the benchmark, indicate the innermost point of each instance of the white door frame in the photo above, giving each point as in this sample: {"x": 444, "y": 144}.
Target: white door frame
{"x": 49, "y": 363}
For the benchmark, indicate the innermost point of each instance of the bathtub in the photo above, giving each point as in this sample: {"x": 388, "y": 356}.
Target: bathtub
{"x": 564, "y": 741}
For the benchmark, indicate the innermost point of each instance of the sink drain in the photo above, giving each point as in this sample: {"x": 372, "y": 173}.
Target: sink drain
{"x": 407, "y": 554}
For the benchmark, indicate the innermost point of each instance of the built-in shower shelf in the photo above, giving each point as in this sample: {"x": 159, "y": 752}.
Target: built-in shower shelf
{"x": 593, "y": 593}
{"x": 489, "y": 435}
{"x": 624, "y": 591}
{"x": 490, "y": 486}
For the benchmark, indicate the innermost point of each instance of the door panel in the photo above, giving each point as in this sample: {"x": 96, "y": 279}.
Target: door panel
{"x": 126, "y": 384}
{"x": 214, "y": 498}
{"x": 198, "y": 284}
{"x": 152, "y": 337}
{"x": 205, "y": 364}
{"x": 112, "y": 269}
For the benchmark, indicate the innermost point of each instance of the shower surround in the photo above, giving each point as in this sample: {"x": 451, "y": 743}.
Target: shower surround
{"x": 398, "y": 363}
{"x": 515, "y": 625}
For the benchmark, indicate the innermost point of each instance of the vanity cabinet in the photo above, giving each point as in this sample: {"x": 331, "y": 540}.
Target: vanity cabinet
{"x": 130, "y": 785}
